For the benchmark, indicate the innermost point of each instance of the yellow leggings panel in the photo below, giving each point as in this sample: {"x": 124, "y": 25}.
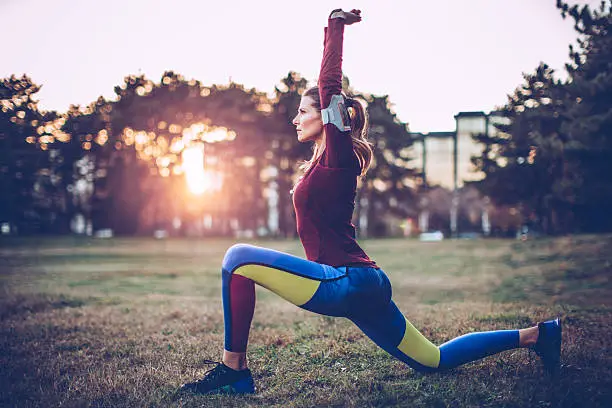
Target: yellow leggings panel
{"x": 296, "y": 289}
{"x": 417, "y": 347}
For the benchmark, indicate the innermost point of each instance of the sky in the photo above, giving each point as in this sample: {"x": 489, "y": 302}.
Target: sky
{"x": 433, "y": 58}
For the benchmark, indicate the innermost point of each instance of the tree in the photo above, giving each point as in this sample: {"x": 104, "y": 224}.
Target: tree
{"x": 588, "y": 120}
{"x": 152, "y": 124}
{"x": 20, "y": 154}
{"x": 551, "y": 157}
{"x": 523, "y": 161}
{"x": 287, "y": 153}
{"x": 388, "y": 187}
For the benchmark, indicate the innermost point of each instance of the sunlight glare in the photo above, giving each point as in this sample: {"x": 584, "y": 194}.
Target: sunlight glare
{"x": 193, "y": 166}
{"x": 199, "y": 180}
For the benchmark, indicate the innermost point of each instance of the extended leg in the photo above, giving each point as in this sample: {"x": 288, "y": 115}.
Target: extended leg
{"x": 391, "y": 331}
{"x": 474, "y": 346}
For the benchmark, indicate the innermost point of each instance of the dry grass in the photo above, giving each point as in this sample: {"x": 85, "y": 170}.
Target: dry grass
{"x": 124, "y": 322}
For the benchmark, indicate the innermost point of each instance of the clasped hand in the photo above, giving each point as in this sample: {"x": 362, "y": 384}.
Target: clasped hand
{"x": 350, "y": 17}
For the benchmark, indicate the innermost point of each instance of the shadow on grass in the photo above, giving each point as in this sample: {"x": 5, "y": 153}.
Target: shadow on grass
{"x": 576, "y": 270}
{"x": 12, "y": 305}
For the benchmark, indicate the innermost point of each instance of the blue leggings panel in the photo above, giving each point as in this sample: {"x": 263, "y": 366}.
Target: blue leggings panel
{"x": 474, "y": 346}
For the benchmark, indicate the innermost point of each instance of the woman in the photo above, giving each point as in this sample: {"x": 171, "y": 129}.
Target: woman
{"x": 339, "y": 279}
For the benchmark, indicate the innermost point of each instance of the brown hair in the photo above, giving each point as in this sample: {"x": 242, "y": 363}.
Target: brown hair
{"x": 359, "y": 132}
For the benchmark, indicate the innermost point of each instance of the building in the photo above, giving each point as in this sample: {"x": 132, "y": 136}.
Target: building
{"x": 445, "y": 157}
{"x": 445, "y": 161}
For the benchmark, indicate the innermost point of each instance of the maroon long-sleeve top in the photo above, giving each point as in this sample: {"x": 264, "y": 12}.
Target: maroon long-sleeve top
{"x": 324, "y": 199}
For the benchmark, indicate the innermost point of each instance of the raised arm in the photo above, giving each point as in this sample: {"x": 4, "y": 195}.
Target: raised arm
{"x": 338, "y": 145}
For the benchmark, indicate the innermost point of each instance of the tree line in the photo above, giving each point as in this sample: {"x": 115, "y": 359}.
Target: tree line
{"x": 119, "y": 164}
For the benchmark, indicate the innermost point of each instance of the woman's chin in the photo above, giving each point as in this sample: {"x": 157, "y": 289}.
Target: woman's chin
{"x": 302, "y": 138}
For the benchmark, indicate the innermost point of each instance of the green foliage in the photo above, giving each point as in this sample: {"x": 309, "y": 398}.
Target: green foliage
{"x": 286, "y": 153}
{"x": 588, "y": 120}
{"x": 24, "y": 168}
{"x": 524, "y": 160}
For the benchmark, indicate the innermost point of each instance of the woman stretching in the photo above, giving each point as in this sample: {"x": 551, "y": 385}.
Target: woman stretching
{"x": 339, "y": 279}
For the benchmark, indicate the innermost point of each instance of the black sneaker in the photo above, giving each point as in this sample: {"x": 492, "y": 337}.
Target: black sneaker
{"x": 222, "y": 380}
{"x": 548, "y": 346}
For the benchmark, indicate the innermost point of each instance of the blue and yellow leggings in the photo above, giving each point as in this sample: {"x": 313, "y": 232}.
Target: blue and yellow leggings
{"x": 361, "y": 294}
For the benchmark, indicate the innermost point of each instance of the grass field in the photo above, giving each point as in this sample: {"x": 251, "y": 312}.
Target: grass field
{"x": 124, "y": 322}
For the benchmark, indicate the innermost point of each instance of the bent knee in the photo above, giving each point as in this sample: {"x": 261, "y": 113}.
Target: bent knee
{"x": 236, "y": 255}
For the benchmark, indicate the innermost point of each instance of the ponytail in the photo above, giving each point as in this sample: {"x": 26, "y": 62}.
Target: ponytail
{"x": 359, "y": 133}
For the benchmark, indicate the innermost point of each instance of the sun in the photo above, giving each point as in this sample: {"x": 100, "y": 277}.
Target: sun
{"x": 193, "y": 166}
{"x": 198, "y": 179}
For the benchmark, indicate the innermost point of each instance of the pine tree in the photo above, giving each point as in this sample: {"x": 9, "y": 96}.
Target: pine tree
{"x": 588, "y": 121}
{"x": 523, "y": 162}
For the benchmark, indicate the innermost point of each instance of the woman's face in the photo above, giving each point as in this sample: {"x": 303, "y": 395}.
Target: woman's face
{"x": 308, "y": 121}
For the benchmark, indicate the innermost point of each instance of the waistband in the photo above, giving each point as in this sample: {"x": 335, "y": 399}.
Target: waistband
{"x": 347, "y": 268}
